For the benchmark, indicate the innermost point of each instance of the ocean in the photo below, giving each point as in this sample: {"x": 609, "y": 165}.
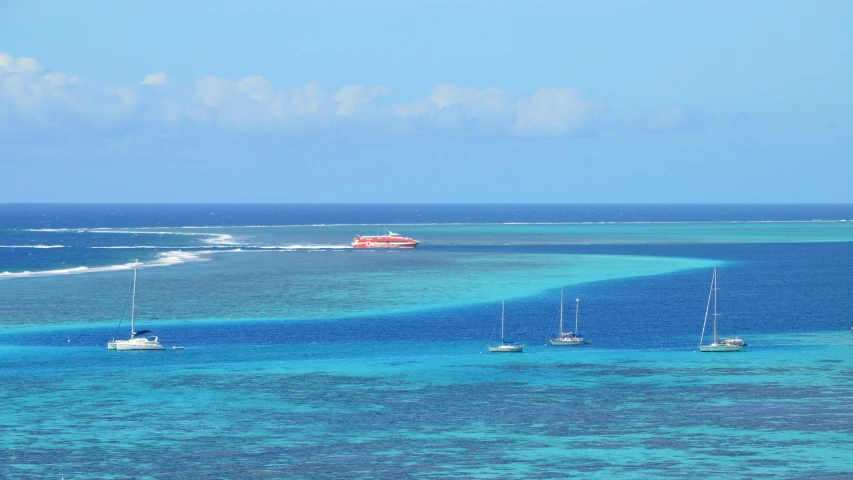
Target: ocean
{"x": 305, "y": 358}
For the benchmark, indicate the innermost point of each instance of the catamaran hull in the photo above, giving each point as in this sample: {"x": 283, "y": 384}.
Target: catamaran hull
{"x": 506, "y": 349}
{"x": 126, "y": 347}
{"x": 720, "y": 348}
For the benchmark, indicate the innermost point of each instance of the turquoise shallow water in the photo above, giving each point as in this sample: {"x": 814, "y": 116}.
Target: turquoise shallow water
{"x": 536, "y": 234}
{"x": 305, "y": 285}
{"x": 429, "y": 409}
{"x": 322, "y": 362}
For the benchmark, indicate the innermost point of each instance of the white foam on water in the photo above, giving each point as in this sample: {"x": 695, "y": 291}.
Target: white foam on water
{"x": 221, "y": 247}
{"x": 177, "y": 257}
{"x": 162, "y": 247}
{"x": 304, "y": 247}
{"x": 70, "y": 271}
{"x": 219, "y": 239}
{"x": 32, "y": 246}
{"x": 163, "y": 259}
{"x": 130, "y": 247}
{"x": 209, "y": 238}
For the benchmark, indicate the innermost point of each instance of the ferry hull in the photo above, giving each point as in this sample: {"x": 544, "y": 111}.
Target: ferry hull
{"x": 368, "y": 244}
{"x": 388, "y": 240}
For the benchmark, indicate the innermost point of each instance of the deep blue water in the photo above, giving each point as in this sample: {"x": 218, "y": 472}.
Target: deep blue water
{"x": 177, "y": 215}
{"x": 294, "y": 368}
{"x": 764, "y": 288}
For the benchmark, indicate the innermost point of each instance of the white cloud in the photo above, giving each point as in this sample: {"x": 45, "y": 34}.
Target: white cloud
{"x": 41, "y": 99}
{"x": 548, "y": 111}
{"x": 212, "y": 91}
{"x": 33, "y": 97}
{"x": 486, "y": 104}
{"x": 119, "y": 100}
{"x": 354, "y": 99}
{"x": 256, "y": 88}
{"x": 152, "y": 79}
{"x": 57, "y": 79}
{"x": 242, "y": 104}
{"x": 254, "y": 102}
{"x": 557, "y": 111}
{"x": 414, "y": 109}
{"x": 307, "y": 101}
{"x": 459, "y": 109}
{"x": 24, "y": 65}
{"x": 474, "y": 102}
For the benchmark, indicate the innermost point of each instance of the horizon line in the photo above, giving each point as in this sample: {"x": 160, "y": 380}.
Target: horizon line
{"x": 440, "y": 203}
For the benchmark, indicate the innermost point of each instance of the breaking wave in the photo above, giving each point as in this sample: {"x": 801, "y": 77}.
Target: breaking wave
{"x": 210, "y": 238}
{"x": 304, "y": 247}
{"x": 163, "y": 259}
{"x": 168, "y": 258}
{"x": 243, "y": 247}
{"x": 159, "y": 247}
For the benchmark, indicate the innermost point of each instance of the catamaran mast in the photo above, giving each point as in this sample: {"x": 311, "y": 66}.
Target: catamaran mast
{"x": 133, "y": 304}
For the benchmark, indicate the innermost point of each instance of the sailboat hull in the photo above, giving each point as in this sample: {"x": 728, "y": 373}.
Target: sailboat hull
{"x": 506, "y": 348}
{"x": 565, "y": 343}
{"x": 718, "y": 347}
{"x": 139, "y": 343}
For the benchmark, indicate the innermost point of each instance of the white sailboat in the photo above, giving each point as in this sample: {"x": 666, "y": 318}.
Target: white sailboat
{"x": 504, "y": 347}
{"x": 567, "y": 338}
{"x": 719, "y": 344}
{"x": 137, "y": 340}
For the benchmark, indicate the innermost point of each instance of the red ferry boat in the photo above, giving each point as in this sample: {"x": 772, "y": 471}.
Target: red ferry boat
{"x": 388, "y": 240}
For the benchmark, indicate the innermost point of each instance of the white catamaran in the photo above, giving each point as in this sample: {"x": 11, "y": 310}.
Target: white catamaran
{"x": 568, "y": 338}
{"x": 505, "y": 347}
{"x": 137, "y": 340}
{"x": 719, "y": 344}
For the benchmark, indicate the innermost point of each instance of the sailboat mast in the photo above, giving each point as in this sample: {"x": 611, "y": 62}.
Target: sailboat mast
{"x": 708, "y": 307}
{"x": 561, "y": 312}
{"x": 577, "y": 306}
{"x": 502, "y": 321}
{"x": 715, "y": 304}
{"x": 133, "y": 304}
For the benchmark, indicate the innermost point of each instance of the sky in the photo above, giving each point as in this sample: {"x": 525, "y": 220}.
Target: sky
{"x": 426, "y": 102}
